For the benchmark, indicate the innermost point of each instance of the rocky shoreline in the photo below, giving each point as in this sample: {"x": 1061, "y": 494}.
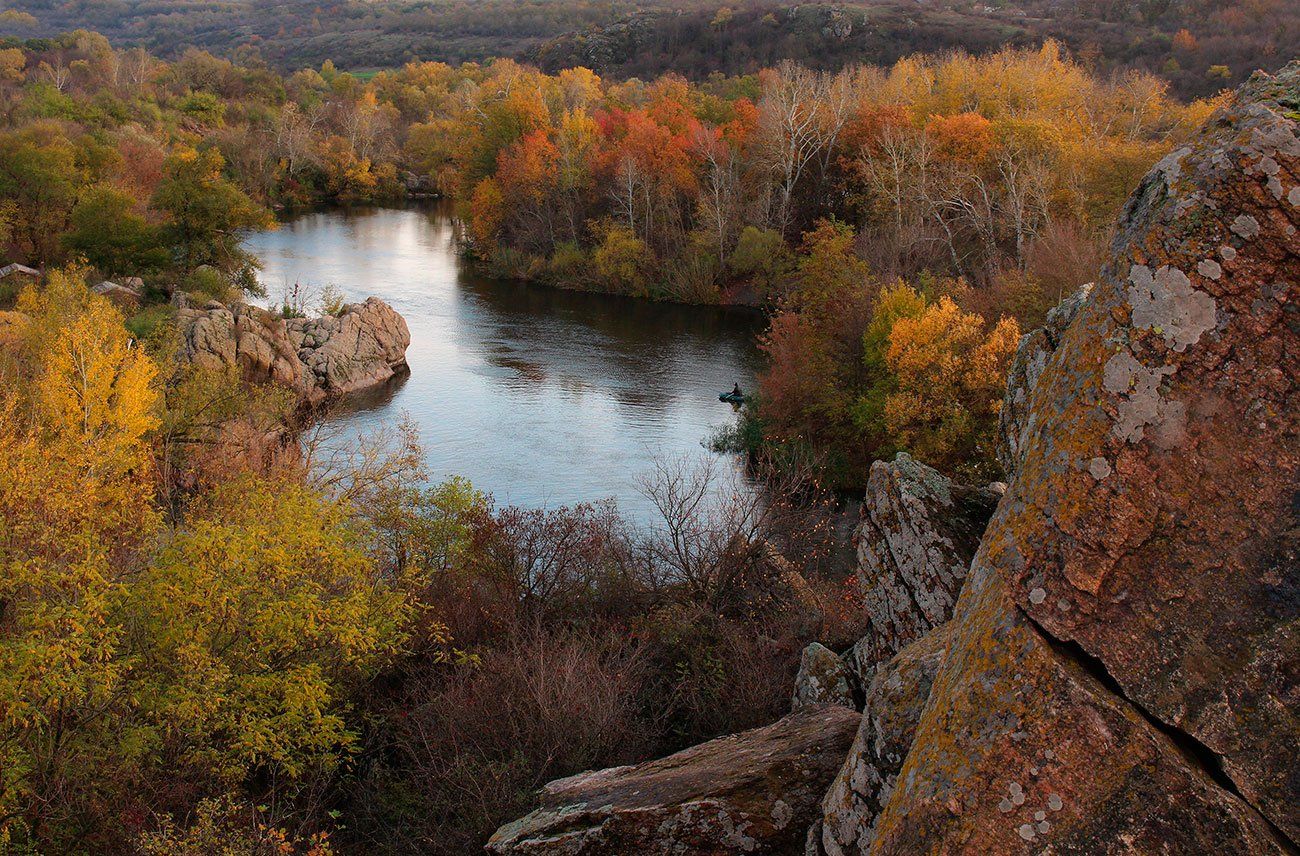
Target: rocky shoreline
{"x": 321, "y": 358}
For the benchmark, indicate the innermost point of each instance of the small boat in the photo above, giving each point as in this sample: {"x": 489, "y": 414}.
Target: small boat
{"x": 732, "y": 398}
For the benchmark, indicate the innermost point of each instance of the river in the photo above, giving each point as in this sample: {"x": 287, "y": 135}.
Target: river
{"x": 537, "y": 395}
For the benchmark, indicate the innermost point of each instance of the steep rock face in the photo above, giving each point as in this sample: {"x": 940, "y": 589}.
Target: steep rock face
{"x": 749, "y": 793}
{"x": 893, "y": 708}
{"x": 823, "y": 679}
{"x": 319, "y": 357}
{"x": 1036, "y": 348}
{"x": 1123, "y": 676}
{"x": 919, "y": 531}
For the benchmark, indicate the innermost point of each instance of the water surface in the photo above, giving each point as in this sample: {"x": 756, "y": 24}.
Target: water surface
{"x": 537, "y": 395}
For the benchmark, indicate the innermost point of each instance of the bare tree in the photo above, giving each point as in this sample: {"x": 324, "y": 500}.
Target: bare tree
{"x": 800, "y": 117}
{"x": 357, "y": 469}
{"x": 295, "y": 132}
{"x": 716, "y": 527}
{"x": 138, "y": 66}
{"x": 720, "y": 189}
{"x": 625, "y": 191}
{"x": 556, "y": 558}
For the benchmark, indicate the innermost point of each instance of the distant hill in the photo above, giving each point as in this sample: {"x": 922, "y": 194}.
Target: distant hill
{"x": 738, "y": 40}
{"x": 1200, "y": 46}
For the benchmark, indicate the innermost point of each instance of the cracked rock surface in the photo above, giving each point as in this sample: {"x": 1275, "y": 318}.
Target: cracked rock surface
{"x": 1036, "y": 349}
{"x": 893, "y": 708}
{"x": 749, "y": 793}
{"x": 1125, "y": 670}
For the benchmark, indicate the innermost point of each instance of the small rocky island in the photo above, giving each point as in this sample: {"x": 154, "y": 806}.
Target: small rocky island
{"x": 1110, "y": 664}
{"x": 361, "y": 346}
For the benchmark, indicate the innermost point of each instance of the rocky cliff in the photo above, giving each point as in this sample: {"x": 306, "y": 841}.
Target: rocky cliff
{"x": 1124, "y": 672}
{"x": 362, "y": 346}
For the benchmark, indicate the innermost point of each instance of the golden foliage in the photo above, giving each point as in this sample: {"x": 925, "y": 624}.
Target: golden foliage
{"x": 950, "y": 375}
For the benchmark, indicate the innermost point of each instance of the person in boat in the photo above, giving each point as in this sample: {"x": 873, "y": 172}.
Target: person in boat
{"x": 735, "y": 391}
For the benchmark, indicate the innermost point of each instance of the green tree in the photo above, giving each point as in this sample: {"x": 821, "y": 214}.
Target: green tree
{"x": 206, "y": 210}
{"x": 106, "y": 229}
{"x": 39, "y": 175}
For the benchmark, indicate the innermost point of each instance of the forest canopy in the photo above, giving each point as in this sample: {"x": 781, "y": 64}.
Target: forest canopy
{"x": 1198, "y": 46}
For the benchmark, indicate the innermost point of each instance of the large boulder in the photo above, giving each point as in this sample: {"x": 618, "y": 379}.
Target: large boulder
{"x": 918, "y": 533}
{"x": 823, "y": 678}
{"x": 1035, "y": 350}
{"x": 364, "y": 345}
{"x": 124, "y": 297}
{"x": 1125, "y": 667}
{"x": 893, "y": 708}
{"x": 749, "y": 793}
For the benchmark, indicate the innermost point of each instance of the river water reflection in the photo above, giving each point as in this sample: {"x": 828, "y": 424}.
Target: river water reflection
{"x": 538, "y": 396}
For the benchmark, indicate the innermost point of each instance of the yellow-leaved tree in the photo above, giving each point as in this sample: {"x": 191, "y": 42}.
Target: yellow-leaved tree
{"x": 950, "y": 372}
{"x": 77, "y": 402}
{"x": 146, "y": 663}
{"x": 249, "y": 628}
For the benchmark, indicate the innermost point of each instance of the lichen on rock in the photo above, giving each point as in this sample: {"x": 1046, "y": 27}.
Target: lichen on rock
{"x": 918, "y": 533}
{"x": 823, "y": 678}
{"x": 749, "y": 793}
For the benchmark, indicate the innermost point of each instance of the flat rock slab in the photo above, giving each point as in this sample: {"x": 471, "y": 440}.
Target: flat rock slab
{"x": 748, "y": 793}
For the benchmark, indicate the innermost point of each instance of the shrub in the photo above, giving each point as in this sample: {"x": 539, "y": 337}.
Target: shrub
{"x": 623, "y": 261}
{"x": 332, "y": 299}
{"x": 149, "y": 322}
{"x": 230, "y": 827}
{"x": 569, "y": 265}
{"x": 470, "y": 748}
{"x": 211, "y": 284}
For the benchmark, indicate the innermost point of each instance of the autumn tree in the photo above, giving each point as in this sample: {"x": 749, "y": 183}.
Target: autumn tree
{"x": 76, "y": 405}
{"x": 950, "y": 373}
{"x": 249, "y": 626}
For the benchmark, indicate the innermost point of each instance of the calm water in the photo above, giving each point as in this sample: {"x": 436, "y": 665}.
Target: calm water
{"x": 538, "y": 396}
